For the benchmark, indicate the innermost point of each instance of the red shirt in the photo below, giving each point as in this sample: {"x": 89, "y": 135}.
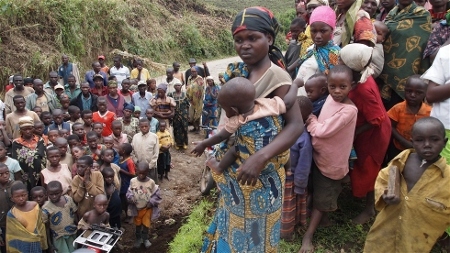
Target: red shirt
{"x": 106, "y": 119}
{"x": 98, "y": 92}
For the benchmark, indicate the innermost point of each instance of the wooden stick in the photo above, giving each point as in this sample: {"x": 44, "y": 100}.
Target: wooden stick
{"x": 394, "y": 182}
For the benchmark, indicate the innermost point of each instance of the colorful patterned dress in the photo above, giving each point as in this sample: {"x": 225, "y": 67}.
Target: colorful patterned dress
{"x": 248, "y": 218}
{"x": 195, "y": 93}
{"x": 180, "y": 119}
{"x": 210, "y": 111}
{"x": 130, "y": 129}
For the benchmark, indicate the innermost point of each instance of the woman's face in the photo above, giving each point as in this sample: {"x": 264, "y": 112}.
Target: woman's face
{"x": 344, "y": 4}
{"x": 321, "y": 33}
{"x": 210, "y": 82}
{"x": 252, "y": 46}
{"x": 370, "y": 6}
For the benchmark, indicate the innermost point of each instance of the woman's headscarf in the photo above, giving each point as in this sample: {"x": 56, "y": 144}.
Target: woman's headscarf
{"x": 262, "y": 20}
{"x": 358, "y": 57}
{"x": 324, "y": 14}
{"x": 162, "y": 86}
{"x": 127, "y": 106}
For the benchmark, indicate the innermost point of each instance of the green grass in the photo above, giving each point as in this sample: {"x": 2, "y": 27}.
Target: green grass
{"x": 277, "y": 6}
{"x": 341, "y": 237}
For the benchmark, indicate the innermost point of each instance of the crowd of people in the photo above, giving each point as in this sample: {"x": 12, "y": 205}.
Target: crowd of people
{"x": 353, "y": 94}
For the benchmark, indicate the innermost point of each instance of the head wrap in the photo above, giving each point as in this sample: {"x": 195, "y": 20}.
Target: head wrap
{"x": 128, "y": 106}
{"x": 364, "y": 28}
{"x": 137, "y": 109}
{"x": 141, "y": 83}
{"x": 323, "y": 14}
{"x": 112, "y": 84}
{"x": 358, "y": 57}
{"x": 317, "y": 3}
{"x": 162, "y": 86}
{"x": 26, "y": 121}
{"x": 209, "y": 78}
{"x": 262, "y": 20}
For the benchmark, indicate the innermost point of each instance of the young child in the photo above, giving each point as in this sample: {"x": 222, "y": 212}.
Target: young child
{"x": 86, "y": 185}
{"x": 64, "y": 100}
{"x": 404, "y": 114}
{"x": 37, "y": 110}
{"x": 74, "y": 113}
{"x": 317, "y": 91}
{"x": 109, "y": 143}
{"x": 98, "y": 128}
{"x": 58, "y": 121}
{"x": 127, "y": 172}
{"x": 154, "y": 123}
{"x": 77, "y": 153}
{"x": 382, "y": 31}
{"x": 112, "y": 193}
{"x": 417, "y": 215}
{"x": 94, "y": 149}
{"x": 39, "y": 131}
{"x": 73, "y": 141}
{"x": 86, "y": 116}
{"x": 96, "y": 166}
{"x": 97, "y": 216}
{"x": 47, "y": 119}
{"x": 332, "y": 137}
{"x": 56, "y": 171}
{"x": 164, "y": 158}
{"x": 64, "y": 133}
{"x": 59, "y": 216}
{"x": 5, "y": 194}
{"x": 78, "y": 129}
{"x": 143, "y": 197}
{"x": 52, "y": 136}
{"x": 104, "y": 116}
{"x": 151, "y": 86}
{"x": 117, "y": 136}
{"x": 295, "y": 189}
{"x": 39, "y": 195}
{"x": 146, "y": 146}
{"x": 137, "y": 112}
{"x": 377, "y": 59}
{"x": 107, "y": 156}
{"x": 15, "y": 172}
{"x": 26, "y": 231}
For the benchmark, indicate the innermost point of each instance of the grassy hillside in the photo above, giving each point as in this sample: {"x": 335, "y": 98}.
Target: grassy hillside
{"x": 277, "y": 6}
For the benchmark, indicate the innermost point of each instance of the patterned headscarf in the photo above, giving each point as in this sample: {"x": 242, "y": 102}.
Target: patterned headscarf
{"x": 262, "y": 20}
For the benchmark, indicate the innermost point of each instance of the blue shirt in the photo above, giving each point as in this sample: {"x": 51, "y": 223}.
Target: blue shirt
{"x": 154, "y": 125}
{"x": 87, "y": 102}
{"x": 65, "y": 71}
{"x": 89, "y": 77}
{"x": 142, "y": 102}
{"x": 301, "y": 159}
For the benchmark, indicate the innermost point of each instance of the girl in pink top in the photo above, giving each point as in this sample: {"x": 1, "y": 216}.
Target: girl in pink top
{"x": 332, "y": 138}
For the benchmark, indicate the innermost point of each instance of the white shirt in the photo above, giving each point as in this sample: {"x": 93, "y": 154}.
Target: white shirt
{"x": 308, "y": 68}
{"x": 120, "y": 74}
{"x": 439, "y": 73}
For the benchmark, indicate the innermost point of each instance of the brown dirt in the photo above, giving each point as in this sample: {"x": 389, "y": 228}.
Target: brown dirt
{"x": 178, "y": 194}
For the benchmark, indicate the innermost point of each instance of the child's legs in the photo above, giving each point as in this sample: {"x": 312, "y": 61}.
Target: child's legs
{"x": 168, "y": 159}
{"x": 114, "y": 222}
{"x": 124, "y": 202}
{"x": 65, "y": 243}
{"x": 160, "y": 164}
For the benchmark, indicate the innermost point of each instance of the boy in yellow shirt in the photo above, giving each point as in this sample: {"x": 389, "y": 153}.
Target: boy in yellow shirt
{"x": 165, "y": 143}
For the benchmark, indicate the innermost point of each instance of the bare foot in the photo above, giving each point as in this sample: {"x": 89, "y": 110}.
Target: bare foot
{"x": 307, "y": 246}
{"x": 213, "y": 164}
{"x": 326, "y": 222}
{"x": 364, "y": 216}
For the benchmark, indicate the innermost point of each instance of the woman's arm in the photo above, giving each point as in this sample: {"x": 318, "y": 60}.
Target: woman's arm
{"x": 252, "y": 167}
{"x": 437, "y": 93}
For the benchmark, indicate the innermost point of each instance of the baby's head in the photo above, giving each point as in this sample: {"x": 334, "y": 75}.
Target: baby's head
{"x": 237, "y": 96}
{"x": 428, "y": 138}
{"x": 415, "y": 90}
{"x": 306, "y": 106}
{"x": 100, "y": 203}
{"x": 382, "y": 31}
{"x": 316, "y": 87}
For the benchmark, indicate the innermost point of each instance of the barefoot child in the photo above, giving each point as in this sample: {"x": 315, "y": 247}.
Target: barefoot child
{"x": 26, "y": 231}
{"x": 56, "y": 171}
{"x": 112, "y": 193}
{"x": 332, "y": 137}
{"x": 416, "y": 218}
{"x": 143, "y": 198}
{"x": 39, "y": 195}
{"x": 97, "y": 216}
{"x": 295, "y": 189}
{"x": 165, "y": 143}
{"x": 5, "y": 194}
{"x": 59, "y": 216}
{"x": 127, "y": 172}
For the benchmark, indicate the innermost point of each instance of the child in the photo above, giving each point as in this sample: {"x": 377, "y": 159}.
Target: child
{"x": 15, "y": 172}
{"x": 56, "y": 171}
{"x": 137, "y": 112}
{"x": 26, "y": 231}
{"x": 117, "y": 136}
{"x": 59, "y": 216}
{"x": 86, "y": 116}
{"x": 98, "y": 128}
{"x": 52, "y": 135}
{"x": 127, "y": 172}
{"x": 64, "y": 100}
{"x": 154, "y": 123}
{"x": 58, "y": 122}
{"x": 93, "y": 149}
{"x": 332, "y": 136}
{"x": 382, "y": 31}
{"x": 143, "y": 198}
{"x": 107, "y": 156}
{"x": 5, "y": 194}
{"x": 317, "y": 91}
{"x": 112, "y": 193}
{"x": 86, "y": 185}
{"x": 64, "y": 133}
{"x": 97, "y": 216}
{"x": 104, "y": 116}
{"x": 404, "y": 114}
{"x": 39, "y": 131}
{"x": 77, "y": 153}
{"x": 377, "y": 60}
{"x": 47, "y": 119}
{"x": 146, "y": 146}
{"x": 74, "y": 113}
{"x": 73, "y": 140}
{"x": 38, "y": 194}
{"x": 151, "y": 86}
{"x": 96, "y": 166}
{"x": 295, "y": 189}
{"x": 416, "y": 217}
{"x": 165, "y": 143}
{"x": 109, "y": 143}
{"x": 78, "y": 129}
{"x": 37, "y": 110}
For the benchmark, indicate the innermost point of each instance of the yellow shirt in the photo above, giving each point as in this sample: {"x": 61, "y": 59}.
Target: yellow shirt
{"x": 164, "y": 139}
{"x": 419, "y": 219}
{"x": 145, "y": 75}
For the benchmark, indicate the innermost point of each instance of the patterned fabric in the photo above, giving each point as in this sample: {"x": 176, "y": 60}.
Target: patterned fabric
{"x": 180, "y": 119}
{"x": 364, "y": 28}
{"x": 210, "y": 111}
{"x": 327, "y": 56}
{"x": 294, "y": 210}
{"x": 438, "y": 37}
{"x": 262, "y": 20}
{"x": 248, "y": 218}
{"x": 61, "y": 219}
{"x": 351, "y": 17}
{"x": 163, "y": 105}
{"x": 19, "y": 239}
{"x": 131, "y": 129}
{"x": 409, "y": 31}
{"x": 31, "y": 159}
{"x": 236, "y": 69}
{"x": 195, "y": 93}
{"x": 305, "y": 41}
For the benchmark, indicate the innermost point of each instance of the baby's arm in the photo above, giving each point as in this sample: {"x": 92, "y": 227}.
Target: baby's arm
{"x": 213, "y": 140}
{"x": 291, "y": 96}
{"x": 227, "y": 160}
